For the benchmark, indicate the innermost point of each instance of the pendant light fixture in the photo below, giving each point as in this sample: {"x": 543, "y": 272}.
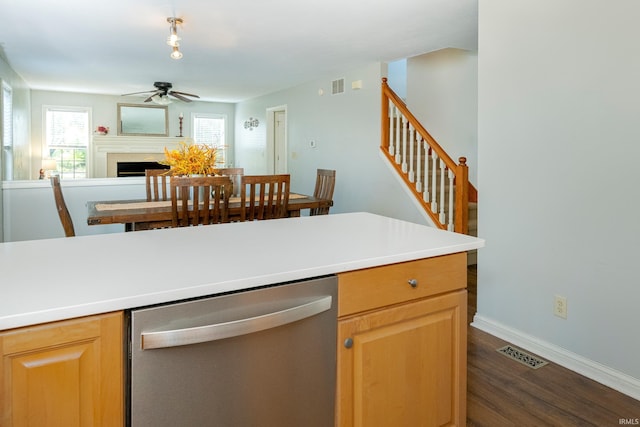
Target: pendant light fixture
{"x": 173, "y": 39}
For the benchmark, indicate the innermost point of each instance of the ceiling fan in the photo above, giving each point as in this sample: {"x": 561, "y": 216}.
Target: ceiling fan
{"x": 161, "y": 94}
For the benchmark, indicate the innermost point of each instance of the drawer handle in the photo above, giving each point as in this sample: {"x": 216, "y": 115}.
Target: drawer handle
{"x": 413, "y": 283}
{"x": 348, "y": 343}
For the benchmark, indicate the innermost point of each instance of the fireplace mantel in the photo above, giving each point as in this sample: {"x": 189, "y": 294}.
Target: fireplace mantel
{"x": 107, "y": 150}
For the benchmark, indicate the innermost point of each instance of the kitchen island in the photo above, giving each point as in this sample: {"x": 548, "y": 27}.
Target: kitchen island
{"x": 59, "y": 279}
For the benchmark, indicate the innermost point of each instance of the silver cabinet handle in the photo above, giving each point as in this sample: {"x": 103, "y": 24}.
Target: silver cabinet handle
{"x": 200, "y": 334}
{"x": 413, "y": 283}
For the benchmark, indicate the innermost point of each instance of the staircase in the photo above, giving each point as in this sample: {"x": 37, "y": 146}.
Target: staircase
{"x": 438, "y": 184}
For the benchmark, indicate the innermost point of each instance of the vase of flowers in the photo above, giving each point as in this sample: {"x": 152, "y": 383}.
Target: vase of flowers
{"x": 102, "y": 130}
{"x": 191, "y": 159}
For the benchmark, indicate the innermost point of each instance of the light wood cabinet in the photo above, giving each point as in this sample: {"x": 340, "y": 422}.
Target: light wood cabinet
{"x": 67, "y": 373}
{"x": 402, "y": 344}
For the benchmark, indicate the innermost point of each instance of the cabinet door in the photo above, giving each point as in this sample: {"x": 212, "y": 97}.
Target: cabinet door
{"x": 66, "y": 373}
{"x": 404, "y": 365}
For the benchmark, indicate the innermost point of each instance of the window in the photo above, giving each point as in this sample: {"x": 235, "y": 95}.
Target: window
{"x": 209, "y": 129}
{"x": 67, "y": 139}
{"x": 7, "y": 132}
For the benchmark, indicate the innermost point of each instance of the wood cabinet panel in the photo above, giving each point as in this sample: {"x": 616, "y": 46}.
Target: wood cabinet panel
{"x": 66, "y": 374}
{"x": 376, "y": 287}
{"x": 406, "y": 365}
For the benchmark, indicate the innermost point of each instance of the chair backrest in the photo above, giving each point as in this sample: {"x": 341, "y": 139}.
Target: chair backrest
{"x": 157, "y": 184}
{"x": 235, "y": 174}
{"x": 200, "y": 200}
{"x": 325, "y": 183}
{"x": 61, "y": 206}
{"x": 264, "y": 197}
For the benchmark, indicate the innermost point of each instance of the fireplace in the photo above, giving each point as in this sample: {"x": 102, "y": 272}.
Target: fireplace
{"x": 125, "y": 169}
{"x": 108, "y": 151}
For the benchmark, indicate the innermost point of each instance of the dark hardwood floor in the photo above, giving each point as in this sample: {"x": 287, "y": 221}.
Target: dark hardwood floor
{"x": 503, "y": 392}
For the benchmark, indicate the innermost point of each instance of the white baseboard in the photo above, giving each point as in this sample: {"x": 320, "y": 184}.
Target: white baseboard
{"x": 596, "y": 371}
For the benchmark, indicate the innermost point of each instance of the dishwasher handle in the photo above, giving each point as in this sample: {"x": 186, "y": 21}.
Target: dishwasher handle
{"x": 206, "y": 333}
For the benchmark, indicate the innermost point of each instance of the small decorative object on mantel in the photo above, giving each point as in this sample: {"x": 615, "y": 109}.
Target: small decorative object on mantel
{"x": 180, "y": 117}
{"x": 191, "y": 159}
{"x": 102, "y": 130}
{"x": 251, "y": 123}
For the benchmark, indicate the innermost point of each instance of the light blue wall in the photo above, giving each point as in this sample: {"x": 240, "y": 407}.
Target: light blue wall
{"x": 442, "y": 92}
{"x": 558, "y": 149}
{"x": 346, "y": 131}
{"x": 30, "y": 211}
{"x": 397, "y": 77}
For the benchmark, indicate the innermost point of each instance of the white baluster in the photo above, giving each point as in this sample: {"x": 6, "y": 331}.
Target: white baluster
{"x": 412, "y": 143}
{"x": 451, "y": 224}
{"x": 426, "y": 196}
{"x": 434, "y": 169}
{"x": 398, "y": 126}
{"x": 443, "y": 217}
{"x": 404, "y": 144}
{"x": 419, "y": 163}
{"x": 392, "y": 113}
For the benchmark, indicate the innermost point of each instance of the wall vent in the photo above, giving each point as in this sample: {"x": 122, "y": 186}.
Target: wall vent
{"x": 337, "y": 86}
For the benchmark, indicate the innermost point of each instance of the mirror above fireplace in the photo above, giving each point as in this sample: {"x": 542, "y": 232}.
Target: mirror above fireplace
{"x": 143, "y": 120}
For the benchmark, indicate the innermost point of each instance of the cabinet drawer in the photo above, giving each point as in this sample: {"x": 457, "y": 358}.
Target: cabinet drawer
{"x": 376, "y": 287}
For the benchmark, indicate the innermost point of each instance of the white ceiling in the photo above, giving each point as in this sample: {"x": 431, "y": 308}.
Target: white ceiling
{"x": 233, "y": 50}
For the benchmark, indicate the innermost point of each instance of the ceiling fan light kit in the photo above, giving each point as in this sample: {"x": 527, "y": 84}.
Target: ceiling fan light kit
{"x": 173, "y": 38}
{"x": 161, "y": 99}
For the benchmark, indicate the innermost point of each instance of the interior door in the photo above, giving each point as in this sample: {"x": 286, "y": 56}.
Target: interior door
{"x": 279, "y": 140}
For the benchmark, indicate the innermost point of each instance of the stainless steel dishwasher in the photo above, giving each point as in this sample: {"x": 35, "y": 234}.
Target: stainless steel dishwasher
{"x": 264, "y": 357}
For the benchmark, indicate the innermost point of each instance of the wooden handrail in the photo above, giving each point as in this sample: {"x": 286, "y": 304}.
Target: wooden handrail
{"x": 464, "y": 190}
{"x": 390, "y": 94}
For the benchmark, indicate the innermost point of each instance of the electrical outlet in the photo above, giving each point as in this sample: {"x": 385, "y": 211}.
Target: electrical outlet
{"x": 560, "y": 306}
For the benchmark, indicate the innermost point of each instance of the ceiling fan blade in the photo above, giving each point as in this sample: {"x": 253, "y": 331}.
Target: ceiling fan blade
{"x": 137, "y": 93}
{"x": 184, "y": 93}
{"x": 180, "y": 97}
{"x": 157, "y": 92}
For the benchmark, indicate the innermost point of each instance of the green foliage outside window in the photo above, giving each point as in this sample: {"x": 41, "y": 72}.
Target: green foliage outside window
{"x": 72, "y": 162}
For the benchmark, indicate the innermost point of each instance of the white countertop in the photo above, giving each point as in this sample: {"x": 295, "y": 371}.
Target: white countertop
{"x": 55, "y": 279}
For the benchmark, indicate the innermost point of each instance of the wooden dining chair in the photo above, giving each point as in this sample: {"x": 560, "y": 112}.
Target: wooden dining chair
{"x": 235, "y": 174}
{"x": 157, "y": 183}
{"x": 325, "y": 183}
{"x": 264, "y": 197}
{"x": 200, "y": 200}
{"x": 61, "y": 206}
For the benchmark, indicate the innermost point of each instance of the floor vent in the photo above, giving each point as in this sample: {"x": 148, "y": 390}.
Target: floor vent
{"x": 522, "y": 357}
{"x": 337, "y": 86}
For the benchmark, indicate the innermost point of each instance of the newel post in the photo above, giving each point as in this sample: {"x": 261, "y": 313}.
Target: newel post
{"x": 384, "y": 115}
{"x": 462, "y": 197}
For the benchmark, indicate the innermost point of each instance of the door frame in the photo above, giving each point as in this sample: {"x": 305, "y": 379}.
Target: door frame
{"x": 271, "y": 143}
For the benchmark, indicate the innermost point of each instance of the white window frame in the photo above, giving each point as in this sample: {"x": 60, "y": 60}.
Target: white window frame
{"x": 223, "y": 146}
{"x": 73, "y": 109}
{"x": 6, "y": 105}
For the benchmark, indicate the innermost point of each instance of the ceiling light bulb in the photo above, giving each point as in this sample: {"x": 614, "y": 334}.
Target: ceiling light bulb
{"x": 173, "y": 40}
{"x": 176, "y": 54}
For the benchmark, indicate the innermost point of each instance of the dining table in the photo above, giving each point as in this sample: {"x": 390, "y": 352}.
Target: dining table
{"x": 136, "y": 214}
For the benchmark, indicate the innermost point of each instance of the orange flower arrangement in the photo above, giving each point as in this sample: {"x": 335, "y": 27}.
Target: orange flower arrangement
{"x": 191, "y": 159}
